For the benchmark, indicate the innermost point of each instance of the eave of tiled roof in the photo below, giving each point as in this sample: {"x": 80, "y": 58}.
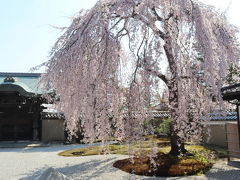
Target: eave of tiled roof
{"x": 20, "y": 74}
{"x": 231, "y": 92}
{"x": 26, "y": 83}
{"x": 52, "y": 115}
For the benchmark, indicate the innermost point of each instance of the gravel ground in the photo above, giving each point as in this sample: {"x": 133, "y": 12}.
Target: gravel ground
{"x": 28, "y": 163}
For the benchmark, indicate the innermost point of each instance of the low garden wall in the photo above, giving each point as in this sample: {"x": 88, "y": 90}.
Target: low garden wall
{"x": 233, "y": 140}
{"x": 215, "y": 133}
{"x": 53, "y": 130}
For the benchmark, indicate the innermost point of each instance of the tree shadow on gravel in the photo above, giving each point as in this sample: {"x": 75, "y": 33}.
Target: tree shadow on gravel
{"x": 86, "y": 170}
{"x": 221, "y": 174}
{"x": 235, "y": 164}
{"x": 102, "y": 168}
{"x": 47, "y": 148}
{"x": 91, "y": 170}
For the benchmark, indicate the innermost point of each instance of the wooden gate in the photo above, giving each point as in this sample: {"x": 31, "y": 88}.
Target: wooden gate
{"x": 15, "y": 125}
{"x": 233, "y": 140}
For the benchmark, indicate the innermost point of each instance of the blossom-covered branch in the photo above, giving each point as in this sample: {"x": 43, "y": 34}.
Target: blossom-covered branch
{"x": 106, "y": 64}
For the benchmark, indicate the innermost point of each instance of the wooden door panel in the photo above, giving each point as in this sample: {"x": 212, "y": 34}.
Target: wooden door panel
{"x": 15, "y": 126}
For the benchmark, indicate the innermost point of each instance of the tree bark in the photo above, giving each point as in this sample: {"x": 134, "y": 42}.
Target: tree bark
{"x": 177, "y": 145}
{"x": 177, "y": 142}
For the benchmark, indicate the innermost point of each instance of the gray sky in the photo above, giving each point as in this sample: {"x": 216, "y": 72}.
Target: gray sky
{"x": 27, "y": 35}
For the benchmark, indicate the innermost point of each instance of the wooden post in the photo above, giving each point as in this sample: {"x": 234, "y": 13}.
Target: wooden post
{"x": 35, "y": 119}
{"x": 226, "y": 130}
{"x": 238, "y": 122}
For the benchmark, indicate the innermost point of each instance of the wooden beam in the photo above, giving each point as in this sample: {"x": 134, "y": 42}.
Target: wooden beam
{"x": 238, "y": 122}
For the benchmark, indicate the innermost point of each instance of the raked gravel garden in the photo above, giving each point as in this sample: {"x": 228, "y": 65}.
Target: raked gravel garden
{"x": 30, "y": 162}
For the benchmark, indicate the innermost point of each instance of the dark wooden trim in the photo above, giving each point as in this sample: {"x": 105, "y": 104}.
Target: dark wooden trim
{"x": 226, "y": 130}
{"x": 230, "y": 87}
{"x": 238, "y": 123}
{"x": 15, "y": 74}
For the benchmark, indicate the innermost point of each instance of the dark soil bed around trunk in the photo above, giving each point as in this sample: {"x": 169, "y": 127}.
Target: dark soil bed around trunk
{"x": 166, "y": 165}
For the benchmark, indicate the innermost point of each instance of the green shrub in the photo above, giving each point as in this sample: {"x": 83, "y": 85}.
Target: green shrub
{"x": 164, "y": 127}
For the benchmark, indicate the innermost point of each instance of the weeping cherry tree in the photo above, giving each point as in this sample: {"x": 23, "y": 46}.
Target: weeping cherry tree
{"x": 111, "y": 56}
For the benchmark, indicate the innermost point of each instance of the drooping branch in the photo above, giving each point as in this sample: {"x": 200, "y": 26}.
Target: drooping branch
{"x": 159, "y": 75}
{"x": 150, "y": 24}
{"x": 159, "y": 18}
{"x": 90, "y": 53}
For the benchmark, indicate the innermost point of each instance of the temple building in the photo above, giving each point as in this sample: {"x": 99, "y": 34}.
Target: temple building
{"x": 231, "y": 94}
{"x": 23, "y": 115}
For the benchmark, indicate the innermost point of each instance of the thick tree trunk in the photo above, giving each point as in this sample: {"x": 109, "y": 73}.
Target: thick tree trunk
{"x": 177, "y": 142}
{"x": 177, "y": 145}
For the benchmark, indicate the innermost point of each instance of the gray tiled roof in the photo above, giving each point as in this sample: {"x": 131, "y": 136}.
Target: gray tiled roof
{"x": 52, "y": 115}
{"x": 222, "y": 116}
{"x": 29, "y": 82}
{"x": 231, "y": 92}
{"x": 215, "y": 116}
{"x": 161, "y": 114}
